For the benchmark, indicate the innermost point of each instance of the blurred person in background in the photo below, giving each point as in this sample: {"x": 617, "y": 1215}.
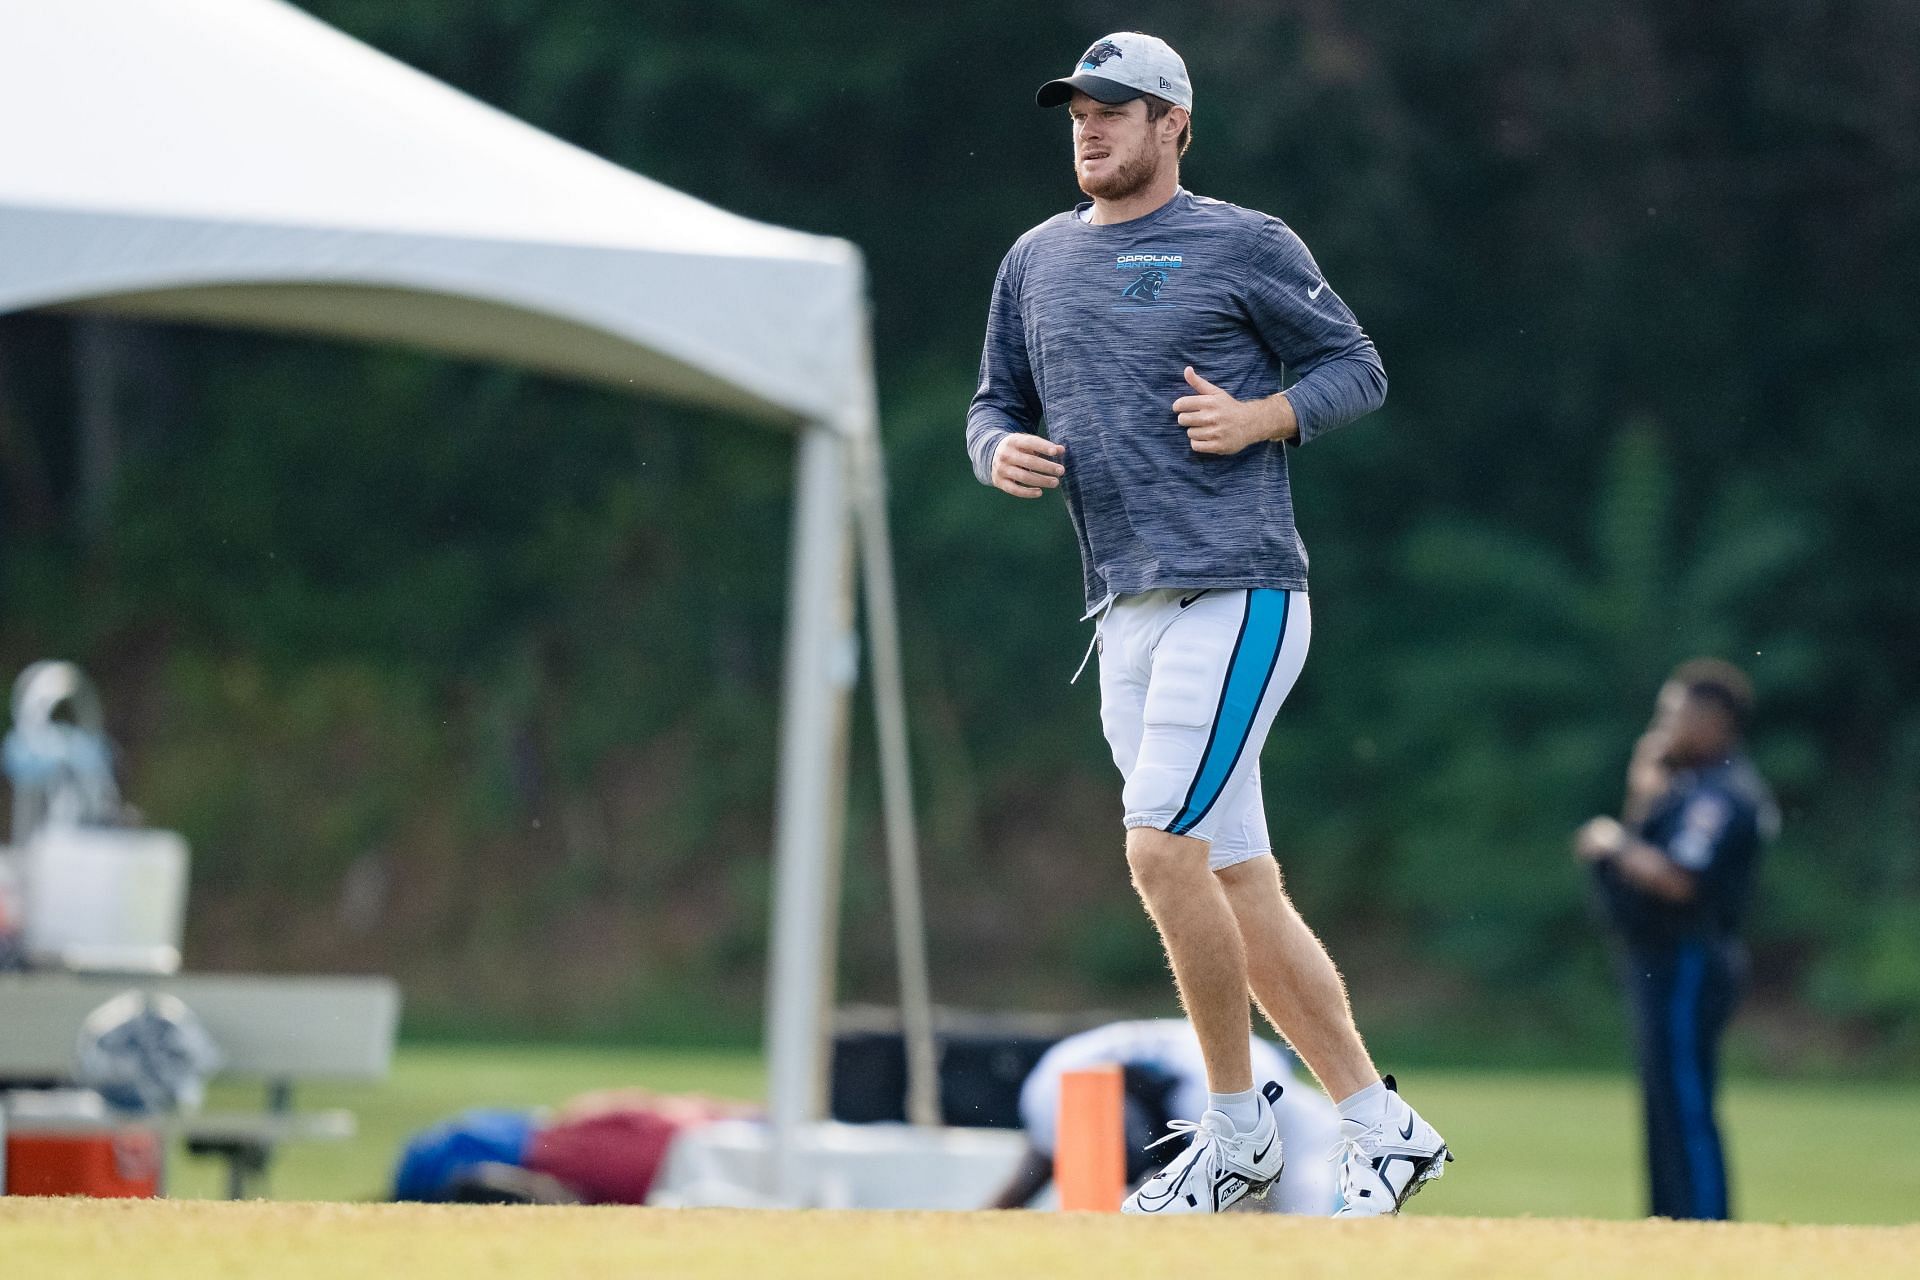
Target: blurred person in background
{"x": 606, "y": 1147}
{"x": 1674, "y": 875}
{"x": 1165, "y": 1077}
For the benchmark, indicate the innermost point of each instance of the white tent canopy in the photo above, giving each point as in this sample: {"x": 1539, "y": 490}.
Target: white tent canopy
{"x": 193, "y": 151}
{"x": 238, "y": 162}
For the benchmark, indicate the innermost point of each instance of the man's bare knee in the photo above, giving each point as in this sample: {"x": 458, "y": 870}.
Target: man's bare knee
{"x": 1248, "y": 871}
{"x": 1161, "y": 861}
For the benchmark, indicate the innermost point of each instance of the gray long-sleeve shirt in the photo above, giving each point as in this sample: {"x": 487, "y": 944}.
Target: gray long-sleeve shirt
{"x": 1090, "y": 329}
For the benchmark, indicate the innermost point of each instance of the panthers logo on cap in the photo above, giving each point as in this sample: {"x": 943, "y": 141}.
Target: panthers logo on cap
{"x": 1101, "y": 52}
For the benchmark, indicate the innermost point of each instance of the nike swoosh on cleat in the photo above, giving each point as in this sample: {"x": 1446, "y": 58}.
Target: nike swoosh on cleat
{"x": 1261, "y": 1154}
{"x": 1406, "y": 1134}
{"x": 1166, "y": 1197}
{"x": 1150, "y": 1204}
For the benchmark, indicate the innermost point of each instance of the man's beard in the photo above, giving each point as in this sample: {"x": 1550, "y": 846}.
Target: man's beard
{"x": 1129, "y": 179}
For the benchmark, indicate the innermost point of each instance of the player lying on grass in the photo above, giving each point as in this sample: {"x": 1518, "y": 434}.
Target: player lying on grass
{"x": 1150, "y": 331}
{"x": 606, "y": 1147}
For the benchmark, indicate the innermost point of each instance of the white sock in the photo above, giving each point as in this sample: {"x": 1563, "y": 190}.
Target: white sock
{"x": 1366, "y": 1106}
{"x": 1241, "y": 1108}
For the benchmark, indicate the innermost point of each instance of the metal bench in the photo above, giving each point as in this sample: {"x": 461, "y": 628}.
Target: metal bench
{"x": 280, "y": 1031}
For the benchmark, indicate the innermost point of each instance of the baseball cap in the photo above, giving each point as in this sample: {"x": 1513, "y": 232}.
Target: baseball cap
{"x": 1121, "y": 67}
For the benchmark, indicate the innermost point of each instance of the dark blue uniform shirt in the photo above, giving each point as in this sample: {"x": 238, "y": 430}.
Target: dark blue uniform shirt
{"x": 1712, "y": 822}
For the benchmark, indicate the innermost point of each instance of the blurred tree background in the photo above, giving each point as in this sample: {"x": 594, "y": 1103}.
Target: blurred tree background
{"x": 469, "y": 676}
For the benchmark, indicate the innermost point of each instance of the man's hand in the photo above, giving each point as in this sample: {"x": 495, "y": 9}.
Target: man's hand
{"x": 1648, "y": 774}
{"x": 1023, "y": 465}
{"x": 1217, "y": 423}
{"x": 1635, "y": 861}
{"x": 1600, "y": 839}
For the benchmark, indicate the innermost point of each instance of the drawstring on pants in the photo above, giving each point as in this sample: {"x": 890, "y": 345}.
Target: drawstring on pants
{"x": 1095, "y": 614}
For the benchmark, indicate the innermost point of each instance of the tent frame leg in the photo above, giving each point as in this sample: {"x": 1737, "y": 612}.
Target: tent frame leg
{"x": 810, "y": 803}
{"x": 896, "y": 784}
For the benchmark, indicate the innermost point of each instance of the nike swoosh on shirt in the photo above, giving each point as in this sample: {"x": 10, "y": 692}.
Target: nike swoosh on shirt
{"x": 1187, "y": 600}
{"x": 1313, "y": 294}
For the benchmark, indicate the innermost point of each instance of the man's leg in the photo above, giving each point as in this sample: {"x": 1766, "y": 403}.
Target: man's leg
{"x": 1220, "y": 665}
{"x": 1726, "y": 979}
{"x": 1387, "y": 1151}
{"x": 1203, "y": 944}
{"x": 1295, "y": 980}
{"x": 1235, "y": 1149}
{"x": 1701, "y": 1004}
{"x": 1170, "y": 873}
{"x": 1650, "y": 973}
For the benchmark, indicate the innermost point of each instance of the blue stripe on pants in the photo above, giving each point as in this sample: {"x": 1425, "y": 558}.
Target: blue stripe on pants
{"x": 1263, "y": 630}
{"x": 1690, "y": 1087}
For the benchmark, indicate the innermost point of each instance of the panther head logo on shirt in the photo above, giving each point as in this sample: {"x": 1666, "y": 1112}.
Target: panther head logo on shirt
{"x": 1092, "y": 58}
{"x": 1147, "y": 287}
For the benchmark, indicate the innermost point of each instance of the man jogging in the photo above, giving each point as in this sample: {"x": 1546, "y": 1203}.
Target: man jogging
{"x": 1150, "y": 330}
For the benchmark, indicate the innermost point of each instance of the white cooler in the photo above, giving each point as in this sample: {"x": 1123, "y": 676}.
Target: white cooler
{"x": 104, "y": 898}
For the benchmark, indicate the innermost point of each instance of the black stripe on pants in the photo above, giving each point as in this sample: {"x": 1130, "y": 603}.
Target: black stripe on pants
{"x": 1682, "y": 995}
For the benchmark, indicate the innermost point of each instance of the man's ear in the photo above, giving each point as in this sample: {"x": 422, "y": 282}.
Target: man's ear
{"x": 1175, "y": 120}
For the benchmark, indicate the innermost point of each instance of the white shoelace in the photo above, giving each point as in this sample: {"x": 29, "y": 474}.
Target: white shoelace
{"x": 1177, "y": 1127}
{"x": 1355, "y": 1152}
{"x": 1362, "y": 1145}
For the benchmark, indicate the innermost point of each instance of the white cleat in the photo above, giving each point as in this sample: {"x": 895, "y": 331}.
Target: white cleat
{"x": 1382, "y": 1165}
{"x": 1219, "y": 1169}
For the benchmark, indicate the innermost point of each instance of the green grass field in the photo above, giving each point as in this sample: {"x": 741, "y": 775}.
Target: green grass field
{"x": 107, "y": 1240}
{"x": 1536, "y": 1145}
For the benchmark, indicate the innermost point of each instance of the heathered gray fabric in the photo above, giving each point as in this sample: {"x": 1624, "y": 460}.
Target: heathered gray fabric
{"x": 1089, "y": 330}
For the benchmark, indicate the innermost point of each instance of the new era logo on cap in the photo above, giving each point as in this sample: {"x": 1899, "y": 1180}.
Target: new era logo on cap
{"x": 1121, "y": 67}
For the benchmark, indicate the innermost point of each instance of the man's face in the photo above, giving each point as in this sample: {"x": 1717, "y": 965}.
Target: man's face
{"x": 1115, "y": 154}
{"x": 1697, "y": 730}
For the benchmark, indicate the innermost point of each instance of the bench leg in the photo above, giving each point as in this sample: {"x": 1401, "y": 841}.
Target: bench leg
{"x": 246, "y": 1165}
{"x": 247, "y": 1172}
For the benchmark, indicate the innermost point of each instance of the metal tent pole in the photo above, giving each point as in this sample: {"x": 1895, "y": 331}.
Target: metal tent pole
{"x": 811, "y": 798}
{"x": 896, "y": 782}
